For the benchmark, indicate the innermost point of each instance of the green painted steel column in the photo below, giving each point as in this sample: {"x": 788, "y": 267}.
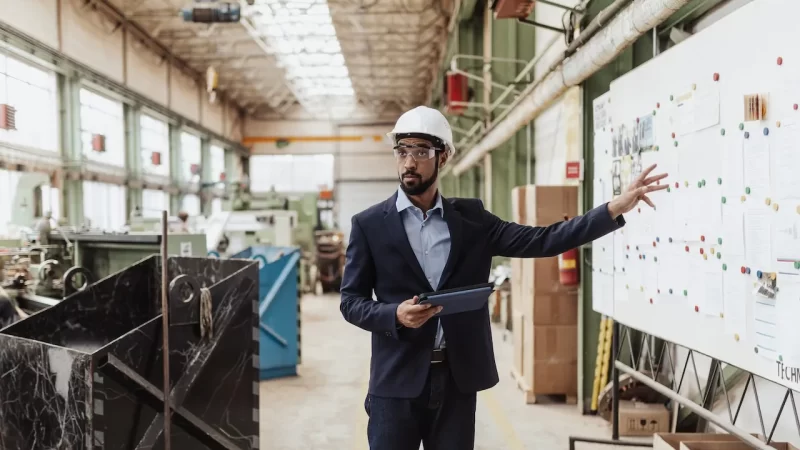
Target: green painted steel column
{"x": 71, "y": 146}
{"x": 175, "y": 169}
{"x": 133, "y": 156}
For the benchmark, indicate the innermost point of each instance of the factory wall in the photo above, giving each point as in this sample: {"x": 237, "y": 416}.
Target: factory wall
{"x": 88, "y": 37}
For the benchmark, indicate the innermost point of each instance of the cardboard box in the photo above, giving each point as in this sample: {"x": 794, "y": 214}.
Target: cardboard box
{"x": 642, "y": 419}
{"x": 672, "y": 441}
{"x": 731, "y": 446}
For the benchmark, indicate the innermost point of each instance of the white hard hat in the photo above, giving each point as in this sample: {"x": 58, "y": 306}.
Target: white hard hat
{"x": 424, "y": 120}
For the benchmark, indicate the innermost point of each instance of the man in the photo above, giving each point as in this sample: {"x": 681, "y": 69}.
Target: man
{"x": 426, "y": 370}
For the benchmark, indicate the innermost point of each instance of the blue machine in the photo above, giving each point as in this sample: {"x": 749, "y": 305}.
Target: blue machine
{"x": 278, "y": 309}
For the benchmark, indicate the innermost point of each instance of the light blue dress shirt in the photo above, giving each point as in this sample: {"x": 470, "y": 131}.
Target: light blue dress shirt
{"x": 430, "y": 239}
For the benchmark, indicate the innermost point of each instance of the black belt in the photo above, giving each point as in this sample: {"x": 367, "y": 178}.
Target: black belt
{"x": 438, "y": 356}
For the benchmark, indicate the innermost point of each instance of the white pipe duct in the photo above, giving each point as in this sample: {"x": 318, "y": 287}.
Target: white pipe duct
{"x": 624, "y": 29}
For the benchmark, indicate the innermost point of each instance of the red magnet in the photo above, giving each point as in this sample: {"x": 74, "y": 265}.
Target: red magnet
{"x": 654, "y": 243}
{"x": 658, "y": 291}
{"x": 639, "y": 210}
{"x": 627, "y": 247}
{"x": 696, "y": 308}
{"x": 716, "y": 77}
{"x": 658, "y": 105}
{"x": 795, "y": 106}
{"x": 651, "y": 301}
{"x": 687, "y": 248}
{"x": 676, "y": 185}
{"x": 673, "y": 135}
{"x": 780, "y": 61}
{"x": 702, "y": 238}
{"x": 637, "y": 120}
{"x": 701, "y": 251}
{"x": 743, "y": 269}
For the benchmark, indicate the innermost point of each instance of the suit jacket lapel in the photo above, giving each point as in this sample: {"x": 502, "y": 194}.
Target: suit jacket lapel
{"x": 398, "y": 237}
{"x": 453, "y": 219}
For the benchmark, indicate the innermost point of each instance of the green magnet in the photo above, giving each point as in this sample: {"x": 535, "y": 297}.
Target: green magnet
{"x": 719, "y": 255}
{"x": 747, "y": 190}
{"x": 685, "y": 292}
{"x": 655, "y": 259}
{"x": 755, "y": 349}
{"x": 780, "y": 358}
{"x": 724, "y": 267}
{"x": 676, "y": 143}
{"x": 719, "y": 241}
{"x": 656, "y": 148}
{"x": 671, "y": 98}
{"x": 797, "y": 264}
{"x": 654, "y": 112}
{"x": 704, "y": 182}
{"x": 741, "y": 126}
{"x": 722, "y": 132}
{"x": 719, "y": 180}
{"x": 668, "y": 189}
{"x": 724, "y": 200}
{"x": 699, "y": 184}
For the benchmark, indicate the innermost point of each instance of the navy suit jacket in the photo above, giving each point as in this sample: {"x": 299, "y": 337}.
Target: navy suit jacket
{"x": 380, "y": 260}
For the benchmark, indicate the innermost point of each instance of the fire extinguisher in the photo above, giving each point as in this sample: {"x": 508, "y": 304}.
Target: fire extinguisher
{"x": 568, "y": 273}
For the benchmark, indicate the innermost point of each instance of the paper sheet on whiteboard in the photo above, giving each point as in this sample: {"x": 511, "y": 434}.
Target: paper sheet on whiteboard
{"x": 697, "y": 110}
{"x": 732, "y": 230}
{"x": 785, "y": 151}
{"x": 733, "y": 168}
{"x": 765, "y": 325}
{"x": 787, "y": 312}
{"x": 603, "y": 293}
{"x": 756, "y": 165}
{"x": 757, "y": 235}
{"x": 735, "y": 286}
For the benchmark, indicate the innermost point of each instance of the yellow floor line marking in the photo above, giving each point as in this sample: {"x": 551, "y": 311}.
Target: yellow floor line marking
{"x": 501, "y": 420}
{"x": 360, "y": 428}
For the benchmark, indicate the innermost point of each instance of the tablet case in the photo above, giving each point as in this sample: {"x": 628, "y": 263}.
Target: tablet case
{"x": 454, "y": 301}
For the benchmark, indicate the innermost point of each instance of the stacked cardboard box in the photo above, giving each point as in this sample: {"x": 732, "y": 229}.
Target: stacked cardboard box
{"x": 544, "y": 313}
{"x": 706, "y": 441}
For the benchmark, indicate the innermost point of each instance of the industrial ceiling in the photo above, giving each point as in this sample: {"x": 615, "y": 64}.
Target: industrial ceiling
{"x": 332, "y": 59}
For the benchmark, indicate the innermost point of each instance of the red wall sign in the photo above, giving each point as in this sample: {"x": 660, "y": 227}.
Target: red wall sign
{"x": 574, "y": 170}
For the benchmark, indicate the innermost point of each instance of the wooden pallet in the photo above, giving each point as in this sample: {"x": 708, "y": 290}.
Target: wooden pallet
{"x": 541, "y": 399}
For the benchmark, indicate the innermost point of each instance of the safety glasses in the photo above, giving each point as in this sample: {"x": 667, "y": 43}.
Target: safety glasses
{"x": 418, "y": 152}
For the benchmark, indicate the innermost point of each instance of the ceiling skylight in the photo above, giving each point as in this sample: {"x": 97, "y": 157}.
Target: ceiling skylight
{"x": 301, "y": 35}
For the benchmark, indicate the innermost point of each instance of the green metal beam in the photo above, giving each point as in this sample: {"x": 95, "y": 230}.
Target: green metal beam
{"x": 688, "y": 13}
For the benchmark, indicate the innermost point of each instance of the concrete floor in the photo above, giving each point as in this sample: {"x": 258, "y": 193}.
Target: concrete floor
{"x": 323, "y": 408}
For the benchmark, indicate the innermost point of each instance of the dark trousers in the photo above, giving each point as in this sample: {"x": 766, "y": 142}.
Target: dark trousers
{"x": 442, "y": 418}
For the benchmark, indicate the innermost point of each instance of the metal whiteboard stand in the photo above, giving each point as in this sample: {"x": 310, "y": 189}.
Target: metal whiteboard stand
{"x": 672, "y": 392}
{"x": 615, "y": 346}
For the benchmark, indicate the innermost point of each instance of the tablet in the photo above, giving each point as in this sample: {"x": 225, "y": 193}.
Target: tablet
{"x": 454, "y": 301}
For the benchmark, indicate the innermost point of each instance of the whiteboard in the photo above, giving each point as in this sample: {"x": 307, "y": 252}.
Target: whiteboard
{"x": 688, "y": 271}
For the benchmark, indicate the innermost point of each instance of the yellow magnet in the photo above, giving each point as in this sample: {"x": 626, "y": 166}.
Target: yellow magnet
{"x": 778, "y": 124}
{"x": 705, "y": 257}
{"x": 775, "y": 206}
{"x": 745, "y": 198}
{"x": 798, "y": 210}
{"x": 641, "y": 288}
{"x": 712, "y": 250}
{"x": 686, "y": 183}
{"x": 767, "y": 201}
{"x": 694, "y": 87}
{"x": 773, "y": 276}
{"x": 736, "y": 337}
{"x": 721, "y": 315}
{"x": 627, "y": 287}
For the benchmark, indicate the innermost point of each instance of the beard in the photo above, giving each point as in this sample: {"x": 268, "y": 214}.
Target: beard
{"x": 418, "y": 186}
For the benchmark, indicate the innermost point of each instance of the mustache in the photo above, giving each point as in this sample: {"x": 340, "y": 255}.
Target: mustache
{"x": 411, "y": 174}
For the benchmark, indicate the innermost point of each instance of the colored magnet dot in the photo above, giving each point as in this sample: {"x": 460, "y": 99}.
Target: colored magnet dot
{"x": 797, "y": 264}
{"x": 743, "y": 269}
{"x": 640, "y": 257}
{"x": 673, "y": 135}
{"x": 677, "y": 185}
{"x": 712, "y": 250}
{"x": 670, "y": 240}
{"x": 741, "y": 126}
{"x": 719, "y": 180}
{"x": 705, "y": 257}
{"x": 743, "y": 198}
{"x": 775, "y": 206}
{"x": 658, "y": 291}
{"x": 627, "y": 247}
{"x": 716, "y": 77}
{"x": 641, "y": 288}
{"x": 656, "y": 148}
{"x": 654, "y": 244}
{"x": 651, "y": 301}
{"x": 694, "y": 86}
{"x": 685, "y": 292}
{"x": 658, "y": 105}
{"x": 637, "y": 120}
{"x": 637, "y": 247}
{"x": 766, "y": 131}
{"x": 797, "y": 210}
{"x": 670, "y": 291}
{"x": 655, "y": 258}
{"x": 747, "y": 190}
{"x": 736, "y": 337}
{"x": 719, "y": 255}
{"x": 767, "y": 201}
{"x": 780, "y": 358}
{"x": 755, "y": 349}
{"x": 722, "y": 132}
{"x": 748, "y": 271}
{"x": 759, "y": 274}
{"x": 724, "y": 200}
{"x": 627, "y": 257}
{"x": 747, "y": 135}
{"x": 702, "y": 238}
{"x": 686, "y": 248}
{"x": 654, "y": 112}
{"x": 639, "y": 210}
{"x": 721, "y": 315}
{"x": 699, "y": 184}
{"x": 702, "y": 251}
{"x": 669, "y": 189}
{"x": 704, "y": 182}
{"x": 780, "y": 61}
{"x": 778, "y": 124}
{"x": 795, "y": 106}
{"x": 671, "y": 98}
{"x": 724, "y": 267}
{"x": 696, "y": 308}
{"x": 686, "y": 183}
{"x": 676, "y": 143}
{"x": 627, "y": 287}
{"x": 658, "y": 239}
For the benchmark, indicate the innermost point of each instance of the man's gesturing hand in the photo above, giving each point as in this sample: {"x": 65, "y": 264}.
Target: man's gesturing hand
{"x": 412, "y": 315}
{"x": 636, "y": 191}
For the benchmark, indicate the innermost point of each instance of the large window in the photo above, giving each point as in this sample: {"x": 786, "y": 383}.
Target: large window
{"x": 104, "y": 205}
{"x": 217, "y": 162}
{"x": 154, "y": 202}
{"x": 190, "y": 203}
{"x": 102, "y": 120}
{"x": 291, "y": 173}
{"x": 32, "y": 92}
{"x": 190, "y": 155}
{"x": 155, "y": 146}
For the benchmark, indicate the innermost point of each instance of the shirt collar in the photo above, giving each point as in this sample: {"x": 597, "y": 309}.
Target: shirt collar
{"x": 403, "y": 202}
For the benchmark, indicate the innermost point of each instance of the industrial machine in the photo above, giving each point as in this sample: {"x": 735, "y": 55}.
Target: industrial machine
{"x": 330, "y": 259}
